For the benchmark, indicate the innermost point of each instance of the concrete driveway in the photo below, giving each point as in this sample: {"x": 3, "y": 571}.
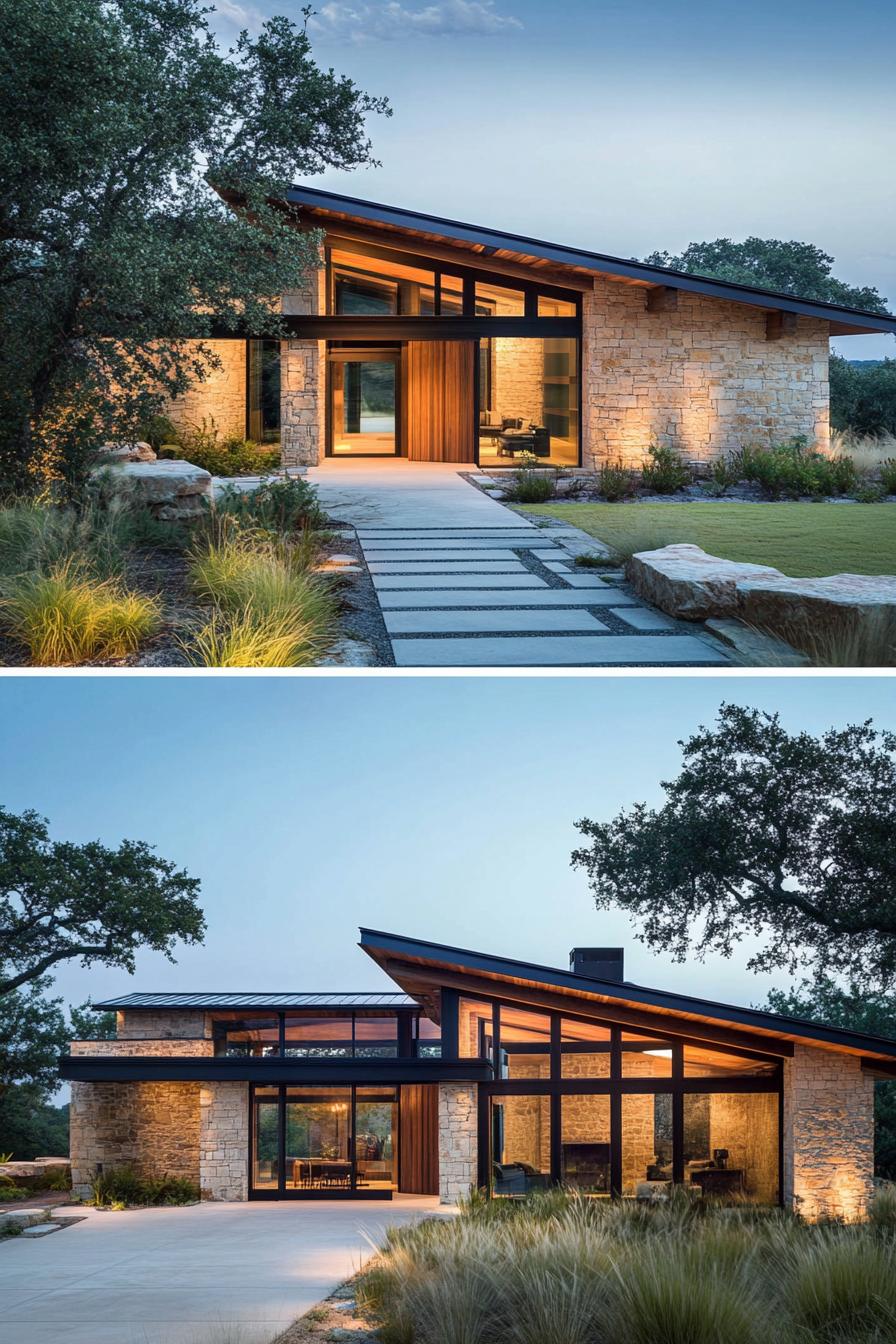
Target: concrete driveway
{"x": 213, "y": 1274}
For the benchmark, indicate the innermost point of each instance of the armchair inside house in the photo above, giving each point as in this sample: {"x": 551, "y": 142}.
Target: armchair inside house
{"x": 517, "y": 1178}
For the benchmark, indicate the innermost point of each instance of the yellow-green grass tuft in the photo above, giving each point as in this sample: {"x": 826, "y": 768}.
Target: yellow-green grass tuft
{"x": 64, "y": 617}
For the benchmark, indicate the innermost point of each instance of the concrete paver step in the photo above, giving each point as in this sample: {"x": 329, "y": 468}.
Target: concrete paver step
{"x": 458, "y": 581}
{"x": 448, "y": 543}
{"x": 498, "y": 621}
{"x": 490, "y": 597}
{"x": 420, "y": 557}
{"x": 559, "y": 651}
{"x": 446, "y": 567}
{"x": 642, "y": 618}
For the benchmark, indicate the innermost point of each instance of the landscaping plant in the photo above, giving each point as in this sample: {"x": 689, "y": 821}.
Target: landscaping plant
{"x": 615, "y": 481}
{"x": 221, "y": 455}
{"x": 665, "y": 471}
{"x": 528, "y": 485}
{"x": 122, "y": 1187}
{"x": 64, "y": 617}
{"x": 284, "y": 505}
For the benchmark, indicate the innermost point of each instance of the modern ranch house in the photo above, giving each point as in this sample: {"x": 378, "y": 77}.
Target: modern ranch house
{"x": 438, "y": 341}
{"x": 479, "y": 1071}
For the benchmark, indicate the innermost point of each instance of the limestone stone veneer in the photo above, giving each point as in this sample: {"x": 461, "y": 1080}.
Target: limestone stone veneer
{"x": 458, "y": 1129}
{"x": 828, "y": 1134}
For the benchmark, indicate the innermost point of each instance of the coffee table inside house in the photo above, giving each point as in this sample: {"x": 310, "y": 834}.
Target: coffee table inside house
{"x": 320, "y": 1172}
{"x": 535, "y": 440}
{"x": 719, "y": 1180}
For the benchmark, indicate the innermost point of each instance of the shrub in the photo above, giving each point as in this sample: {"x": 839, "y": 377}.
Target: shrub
{"x": 9, "y": 1191}
{"x": 888, "y": 475}
{"x": 665, "y": 472}
{"x": 615, "y": 481}
{"x": 283, "y": 506}
{"x": 122, "y": 1186}
{"x": 157, "y": 430}
{"x": 222, "y": 455}
{"x": 63, "y": 617}
{"x": 724, "y": 472}
{"x": 269, "y": 611}
{"x": 530, "y": 486}
{"x": 595, "y": 561}
{"x": 789, "y": 470}
{"x": 882, "y": 1209}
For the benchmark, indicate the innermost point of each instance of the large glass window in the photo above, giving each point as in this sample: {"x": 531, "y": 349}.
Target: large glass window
{"x": 318, "y": 1138}
{"x": 497, "y": 301}
{"x": 645, "y": 1057}
{"x": 364, "y": 403}
{"x": 376, "y": 1035}
{"x": 731, "y": 1145}
{"x": 525, "y": 1044}
{"x": 646, "y": 1145}
{"x": 375, "y": 286}
{"x": 236, "y": 1035}
{"x": 263, "y": 389}
{"x": 520, "y": 1129}
{"x": 529, "y": 401}
{"x": 265, "y": 1132}
{"x": 705, "y": 1062}
{"x": 585, "y": 1143}
{"x": 325, "y": 1037}
{"x": 475, "y": 1035}
{"x": 376, "y": 1137}
{"x": 429, "y": 1038}
{"x": 585, "y": 1049}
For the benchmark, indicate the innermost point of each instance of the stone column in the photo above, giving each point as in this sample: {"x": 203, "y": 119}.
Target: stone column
{"x": 458, "y": 1140}
{"x": 828, "y": 1134}
{"x": 303, "y": 381}
{"x": 224, "y": 1140}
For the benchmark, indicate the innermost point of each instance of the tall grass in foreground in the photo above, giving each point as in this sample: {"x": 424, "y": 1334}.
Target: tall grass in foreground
{"x": 268, "y": 609}
{"x": 561, "y": 1270}
{"x": 866, "y": 640}
{"x": 64, "y": 617}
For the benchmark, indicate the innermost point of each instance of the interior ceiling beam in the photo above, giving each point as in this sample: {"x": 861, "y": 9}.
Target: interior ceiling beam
{"x": 662, "y": 299}
{"x": 456, "y": 256}
{"x": 778, "y": 324}
{"x": 659, "y": 1021}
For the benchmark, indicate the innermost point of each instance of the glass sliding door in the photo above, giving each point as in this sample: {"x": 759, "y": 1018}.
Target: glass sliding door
{"x": 364, "y": 403}
{"x": 318, "y": 1129}
{"x": 264, "y": 1163}
{"x": 321, "y": 1141}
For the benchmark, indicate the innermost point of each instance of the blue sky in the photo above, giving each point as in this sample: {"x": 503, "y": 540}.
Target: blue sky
{"x": 627, "y": 127}
{"x": 439, "y": 807}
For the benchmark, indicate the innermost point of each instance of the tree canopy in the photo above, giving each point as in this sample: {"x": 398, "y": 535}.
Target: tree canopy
{"x": 123, "y": 126}
{"x": 863, "y": 396}
{"x": 786, "y": 267}
{"x": 786, "y": 839}
{"x": 61, "y": 901}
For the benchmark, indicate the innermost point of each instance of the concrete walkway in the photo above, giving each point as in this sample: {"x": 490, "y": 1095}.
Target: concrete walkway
{"x": 463, "y": 581}
{"x": 213, "y": 1274}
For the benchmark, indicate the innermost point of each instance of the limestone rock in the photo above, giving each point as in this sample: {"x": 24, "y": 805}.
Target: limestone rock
{"x": 173, "y": 490}
{"x": 350, "y": 653}
{"x": 843, "y": 603}
{"x": 684, "y": 581}
{"x": 126, "y": 452}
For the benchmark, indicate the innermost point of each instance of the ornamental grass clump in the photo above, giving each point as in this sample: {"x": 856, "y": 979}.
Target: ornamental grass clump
{"x": 65, "y": 617}
{"x": 268, "y": 610}
{"x": 840, "y": 1287}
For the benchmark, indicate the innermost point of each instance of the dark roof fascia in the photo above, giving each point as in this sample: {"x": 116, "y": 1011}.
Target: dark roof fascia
{"x": 600, "y": 262}
{"x": 208, "y": 1001}
{"x": 211, "y": 1068}
{"x": 623, "y": 991}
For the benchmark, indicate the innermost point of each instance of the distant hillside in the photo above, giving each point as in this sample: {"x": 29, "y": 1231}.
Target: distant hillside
{"x": 865, "y": 363}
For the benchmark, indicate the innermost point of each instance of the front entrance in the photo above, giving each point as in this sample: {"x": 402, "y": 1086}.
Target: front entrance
{"x": 416, "y": 400}
{"x": 364, "y": 403}
{"x": 330, "y": 1142}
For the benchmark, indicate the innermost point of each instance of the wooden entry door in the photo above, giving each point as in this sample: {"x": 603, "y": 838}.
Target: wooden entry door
{"x": 440, "y": 401}
{"x": 419, "y": 1148}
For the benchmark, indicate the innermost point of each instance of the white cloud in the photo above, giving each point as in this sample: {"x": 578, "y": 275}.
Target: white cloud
{"x": 391, "y": 20}
{"x": 239, "y": 16}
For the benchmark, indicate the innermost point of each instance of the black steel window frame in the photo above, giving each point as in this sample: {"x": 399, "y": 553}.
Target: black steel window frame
{"x": 405, "y": 1040}
{"x": 616, "y": 1086}
{"x": 468, "y": 275}
{"x": 348, "y": 353}
{"x": 353, "y": 1191}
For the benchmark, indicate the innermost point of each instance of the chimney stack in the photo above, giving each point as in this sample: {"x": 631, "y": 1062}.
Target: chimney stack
{"x": 601, "y": 963}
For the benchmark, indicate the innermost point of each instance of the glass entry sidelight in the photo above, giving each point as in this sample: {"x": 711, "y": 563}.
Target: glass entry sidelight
{"x": 319, "y": 1141}
{"x": 364, "y": 403}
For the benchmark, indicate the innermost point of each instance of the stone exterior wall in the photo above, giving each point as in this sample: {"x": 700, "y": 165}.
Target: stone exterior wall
{"x": 701, "y": 377}
{"x": 176, "y": 1025}
{"x": 142, "y": 1047}
{"x": 224, "y": 1140}
{"x": 152, "y": 1127}
{"x": 828, "y": 1134}
{"x": 220, "y": 396}
{"x": 458, "y": 1140}
{"x": 303, "y": 382}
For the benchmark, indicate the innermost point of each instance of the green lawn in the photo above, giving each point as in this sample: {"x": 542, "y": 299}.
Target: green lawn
{"x": 798, "y": 539}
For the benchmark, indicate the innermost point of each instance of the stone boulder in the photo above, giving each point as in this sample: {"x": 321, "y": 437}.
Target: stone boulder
{"x": 139, "y": 451}
{"x": 805, "y": 609}
{"x": 174, "y": 491}
{"x": 684, "y": 581}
